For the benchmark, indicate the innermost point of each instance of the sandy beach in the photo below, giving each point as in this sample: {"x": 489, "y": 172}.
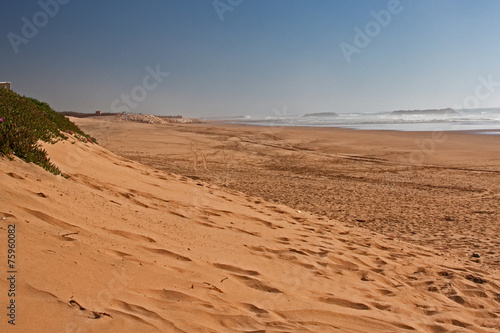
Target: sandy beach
{"x": 228, "y": 228}
{"x": 241, "y": 166}
{"x": 440, "y": 189}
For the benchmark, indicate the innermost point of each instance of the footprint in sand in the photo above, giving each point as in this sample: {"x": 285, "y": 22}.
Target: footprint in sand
{"x": 130, "y": 235}
{"x": 344, "y": 303}
{"x": 254, "y": 309}
{"x": 237, "y": 270}
{"x": 176, "y": 296}
{"x": 167, "y": 253}
{"x": 15, "y": 175}
{"x": 256, "y": 284}
{"x": 51, "y": 220}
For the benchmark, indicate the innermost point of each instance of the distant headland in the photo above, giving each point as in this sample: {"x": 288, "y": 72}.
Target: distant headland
{"x": 137, "y": 118}
{"x": 321, "y": 114}
{"x": 447, "y": 111}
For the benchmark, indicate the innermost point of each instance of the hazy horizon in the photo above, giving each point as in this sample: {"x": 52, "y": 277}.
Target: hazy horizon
{"x": 236, "y": 57}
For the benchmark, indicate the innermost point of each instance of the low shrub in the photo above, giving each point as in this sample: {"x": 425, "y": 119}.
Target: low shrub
{"x": 25, "y": 121}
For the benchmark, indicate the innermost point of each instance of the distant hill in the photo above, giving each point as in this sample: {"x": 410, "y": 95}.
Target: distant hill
{"x": 321, "y": 114}
{"x": 447, "y": 111}
{"x": 85, "y": 115}
{"x": 138, "y": 118}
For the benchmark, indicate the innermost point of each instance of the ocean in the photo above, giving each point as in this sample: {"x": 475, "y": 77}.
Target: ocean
{"x": 484, "y": 121}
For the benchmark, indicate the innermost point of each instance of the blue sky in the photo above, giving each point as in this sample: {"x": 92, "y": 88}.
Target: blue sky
{"x": 264, "y": 55}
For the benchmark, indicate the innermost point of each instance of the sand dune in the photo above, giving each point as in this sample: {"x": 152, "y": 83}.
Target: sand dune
{"x": 123, "y": 247}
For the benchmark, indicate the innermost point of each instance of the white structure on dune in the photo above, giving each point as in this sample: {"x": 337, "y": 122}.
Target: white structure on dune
{"x": 5, "y": 85}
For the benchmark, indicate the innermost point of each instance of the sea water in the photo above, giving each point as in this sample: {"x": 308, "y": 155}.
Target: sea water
{"x": 485, "y": 121}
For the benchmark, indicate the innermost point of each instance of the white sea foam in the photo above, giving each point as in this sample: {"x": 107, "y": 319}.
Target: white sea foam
{"x": 478, "y": 119}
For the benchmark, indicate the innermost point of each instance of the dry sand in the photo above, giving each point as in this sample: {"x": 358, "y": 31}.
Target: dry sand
{"x": 434, "y": 189}
{"x": 123, "y": 247}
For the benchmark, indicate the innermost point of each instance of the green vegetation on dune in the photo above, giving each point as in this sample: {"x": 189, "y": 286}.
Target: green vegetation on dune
{"x": 24, "y": 121}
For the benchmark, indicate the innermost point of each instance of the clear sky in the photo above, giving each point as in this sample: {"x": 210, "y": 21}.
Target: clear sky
{"x": 248, "y": 57}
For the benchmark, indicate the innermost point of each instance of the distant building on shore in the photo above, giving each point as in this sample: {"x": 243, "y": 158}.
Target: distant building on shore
{"x": 5, "y": 85}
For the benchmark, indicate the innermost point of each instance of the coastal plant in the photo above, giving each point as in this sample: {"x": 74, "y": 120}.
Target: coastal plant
{"x": 25, "y": 122}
